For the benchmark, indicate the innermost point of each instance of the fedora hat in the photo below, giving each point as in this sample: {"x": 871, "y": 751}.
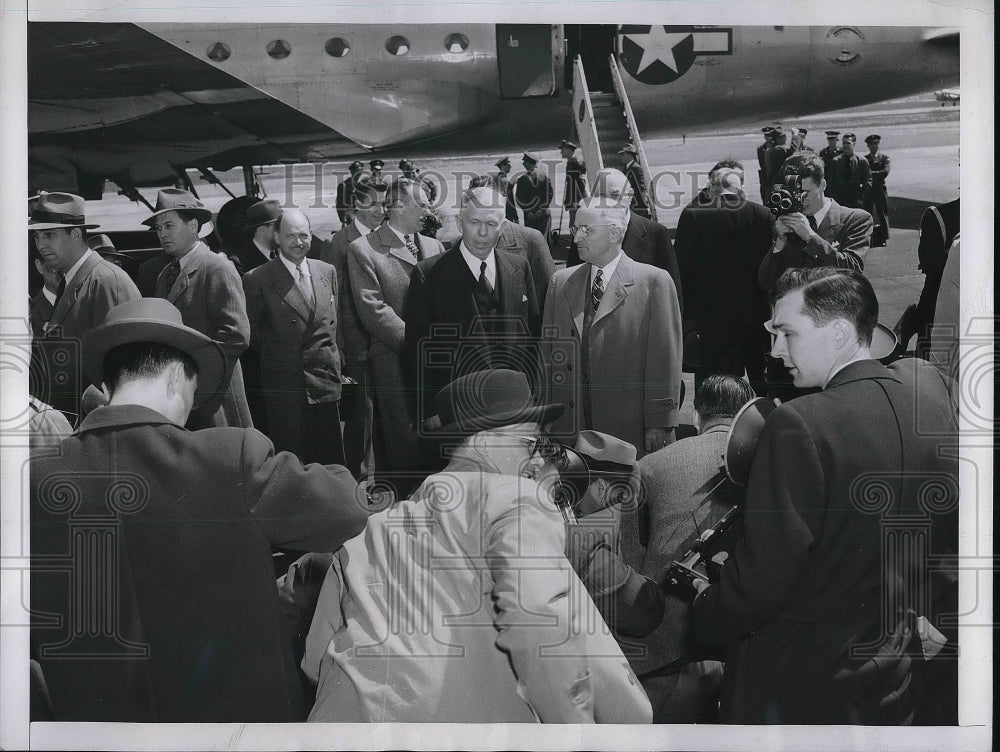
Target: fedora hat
{"x": 605, "y": 453}
{"x": 741, "y": 441}
{"x": 54, "y": 210}
{"x": 489, "y": 399}
{"x": 101, "y": 242}
{"x": 263, "y": 212}
{"x": 173, "y": 199}
{"x": 157, "y": 321}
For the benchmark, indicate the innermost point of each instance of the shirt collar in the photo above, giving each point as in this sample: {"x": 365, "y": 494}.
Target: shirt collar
{"x": 266, "y": 252}
{"x": 188, "y": 257}
{"x": 475, "y": 263}
{"x": 401, "y": 235}
{"x": 607, "y": 270}
{"x": 361, "y": 227}
{"x": 823, "y": 210}
{"x": 49, "y": 295}
{"x": 68, "y": 276}
{"x": 293, "y": 269}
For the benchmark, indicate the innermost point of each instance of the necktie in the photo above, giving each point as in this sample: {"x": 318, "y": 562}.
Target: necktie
{"x": 305, "y": 287}
{"x": 597, "y": 291}
{"x": 412, "y": 247}
{"x": 173, "y": 271}
{"x": 484, "y": 281}
{"x": 484, "y": 292}
{"x": 60, "y": 290}
{"x": 812, "y": 222}
{"x": 273, "y": 255}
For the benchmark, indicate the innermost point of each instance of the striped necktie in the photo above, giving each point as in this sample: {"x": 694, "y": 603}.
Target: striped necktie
{"x": 413, "y": 248}
{"x": 170, "y": 275}
{"x": 597, "y": 290}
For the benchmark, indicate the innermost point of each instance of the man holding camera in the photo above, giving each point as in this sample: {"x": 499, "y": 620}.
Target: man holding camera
{"x": 820, "y": 605}
{"x": 821, "y": 232}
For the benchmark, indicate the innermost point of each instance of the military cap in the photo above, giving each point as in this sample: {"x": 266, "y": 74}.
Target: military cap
{"x": 564, "y": 144}
{"x": 502, "y": 162}
{"x": 376, "y": 164}
{"x": 802, "y": 131}
{"x": 850, "y": 136}
{"x": 873, "y": 138}
{"x": 406, "y": 164}
{"x": 832, "y": 134}
{"x": 529, "y": 158}
{"x": 355, "y": 166}
{"x": 767, "y": 129}
{"x": 628, "y": 149}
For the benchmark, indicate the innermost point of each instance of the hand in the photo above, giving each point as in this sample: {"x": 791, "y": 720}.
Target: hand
{"x": 657, "y": 438}
{"x": 432, "y": 423}
{"x": 700, "y": 585}
{"x": 797, "y": 223}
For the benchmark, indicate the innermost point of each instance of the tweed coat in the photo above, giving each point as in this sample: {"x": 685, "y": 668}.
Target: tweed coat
{"x": 844, "y": 237}
{"x": 186, "y": 521}
{"x": 209, "y": 294}
{"x": 834, "y": 476}
{"x": 634, "y": 349}
{"x": 442, "y": 294}
{"x": 490, "y": 623}
{"x": 379, "y": 267}
{"x": 96, "y": 288}
{"x": 531, "y": 244}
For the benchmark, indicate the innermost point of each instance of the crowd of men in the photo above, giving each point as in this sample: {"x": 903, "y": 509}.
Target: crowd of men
{"x": 475, "y": 464}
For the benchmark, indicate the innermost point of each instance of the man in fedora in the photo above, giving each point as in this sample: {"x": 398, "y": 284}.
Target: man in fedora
{"x": 533, "y": 193}
{"x": 178, "y": 598}
{"x": 261, "y": 218}
{"x": 576, "y": 184}
{"x": 637, "y": 180}
{"x": 206, "y": 288}
{"x": 292, "y": 304}
{"x": 368, "y": 203}
{"x": 477, "y": 613}
{"x": 91, "y": 287}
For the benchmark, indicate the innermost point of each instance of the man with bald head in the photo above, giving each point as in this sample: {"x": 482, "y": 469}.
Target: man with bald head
{"x": 645, "y": 241}
{"x": 477, "y": 302}
{"x": 292, "y": 303}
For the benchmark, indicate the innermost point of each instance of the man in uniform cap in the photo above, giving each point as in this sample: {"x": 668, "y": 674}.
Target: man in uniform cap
{"x": 206, "y": 288}
{"x": 376, "y": 166}
{"x": 636, "y": 178}
{"x": 877, "y": 201}
{"x": 90, "y": 288}
{"x": 831, "y": 150}
{"x": 478, "y": 620}
{"x": 506, "y": 186}
{"x": 344, "y": 189}
{"x": 775, "y": 156}
{"x": 850, "y": 175}
{"x": 533, "y": 194}
{"x": 767, "y": 130}
{"x": 576, "y": 184}
{"x": 181, "y": 615}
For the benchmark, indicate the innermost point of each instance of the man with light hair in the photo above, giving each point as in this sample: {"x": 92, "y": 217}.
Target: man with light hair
{"x": 612, "y": 337}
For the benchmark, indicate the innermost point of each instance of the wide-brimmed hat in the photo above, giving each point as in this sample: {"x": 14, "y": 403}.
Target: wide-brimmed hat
{"x": 564, "y": 144}
{"x": 174, "y": 199}
{"x": 263, "y": 212}
{"x": 628, "y": 149}
{"x": 605, "y": 453}
{"x": 157, "y": 321}
{"x": 54, "y": 210}
{"x": 100, "y": 242}
{"x": 489, "y": 399}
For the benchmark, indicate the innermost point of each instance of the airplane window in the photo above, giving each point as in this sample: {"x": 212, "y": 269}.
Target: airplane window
{"x": 219, "y": 52}
{"x": 337, "y": 47}
{"x": 397, "y": 46}
{"x": 456, "y": 43}
{"x": 279, "y": 49}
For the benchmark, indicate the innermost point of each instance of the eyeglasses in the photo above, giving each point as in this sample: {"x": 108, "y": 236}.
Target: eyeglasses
{"x": 549, "y": 450}
{"x": 585, "y": 230}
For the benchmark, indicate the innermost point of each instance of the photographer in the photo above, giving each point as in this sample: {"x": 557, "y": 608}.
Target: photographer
{"x": 821, "y": 232}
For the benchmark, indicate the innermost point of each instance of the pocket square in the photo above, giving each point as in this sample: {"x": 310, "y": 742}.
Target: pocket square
{"x": 524, "y": 298}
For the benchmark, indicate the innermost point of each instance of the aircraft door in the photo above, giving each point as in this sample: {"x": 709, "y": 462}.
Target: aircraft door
{"x": 524, "y": 60}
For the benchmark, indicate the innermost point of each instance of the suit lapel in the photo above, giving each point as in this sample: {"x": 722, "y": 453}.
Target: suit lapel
{"x": 394, "y": 245}
{"x": 322, "y": 293}
{"x": 509, "y": 291}
{"x": 290, "y": 292}
{"x": 830, "y": 225}
{"x": 617, "y": 289}
{"x": 187, "y": 272}
{"x": 576, "y": 294}
{"x": 72, "y": 291}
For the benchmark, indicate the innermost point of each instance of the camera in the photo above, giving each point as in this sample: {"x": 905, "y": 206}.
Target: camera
{"x": 786, "y": 197}
{"x": 704, "y": 560}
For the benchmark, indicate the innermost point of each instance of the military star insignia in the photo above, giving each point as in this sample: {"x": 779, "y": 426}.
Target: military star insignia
{"x": 658, "y": 44}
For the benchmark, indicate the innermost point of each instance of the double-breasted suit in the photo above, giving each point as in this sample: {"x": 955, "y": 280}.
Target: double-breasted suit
{"x": 633, "y": 348}
{"x": 299, "y": 357}
{"x": 442, "y": 294}
{"x": 379, "y": 266}
{"x": 209, "y": 295}
{"x": 96, "y": 288}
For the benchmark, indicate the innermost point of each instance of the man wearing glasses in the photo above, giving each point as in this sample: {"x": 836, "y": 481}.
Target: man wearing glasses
{"x": 458, "y": 604}
{"x": 611, "y": 338}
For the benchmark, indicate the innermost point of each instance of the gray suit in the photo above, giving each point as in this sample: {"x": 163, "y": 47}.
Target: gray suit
{"x": 530, "y": 243}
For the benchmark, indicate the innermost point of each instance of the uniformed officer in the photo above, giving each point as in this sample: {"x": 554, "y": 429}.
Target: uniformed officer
{"x": 533, "y": 193}
{"x": 851, "y": 177}
{"x": 576, "y": 185}
{"x": 345, "y": 190}
{"x": 505, "y": 186}
{"x": 376, "y": 166}
{"x": 877, "y": 201}
{"x": 830, "y": 152}
{"x": 767, "y": 130}
{"x": 776, "y": 155}
{"x": 633, "y": 171}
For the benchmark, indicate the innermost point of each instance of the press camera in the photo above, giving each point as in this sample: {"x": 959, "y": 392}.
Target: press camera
{"x": 786, "y": 197}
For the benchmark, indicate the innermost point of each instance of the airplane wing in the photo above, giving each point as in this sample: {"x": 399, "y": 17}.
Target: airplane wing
{"x": 97, "y": 87}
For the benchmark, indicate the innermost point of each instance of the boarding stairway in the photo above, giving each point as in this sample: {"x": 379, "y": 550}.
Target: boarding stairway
{"x": 604, "y": 123}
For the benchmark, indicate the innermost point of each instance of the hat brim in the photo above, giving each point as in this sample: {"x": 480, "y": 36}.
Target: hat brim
{"x": 541, "y": 414}
{"x": 207, "y": 354}
{"x": 57, "y": 225}
{"x": 203, "y": 215}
